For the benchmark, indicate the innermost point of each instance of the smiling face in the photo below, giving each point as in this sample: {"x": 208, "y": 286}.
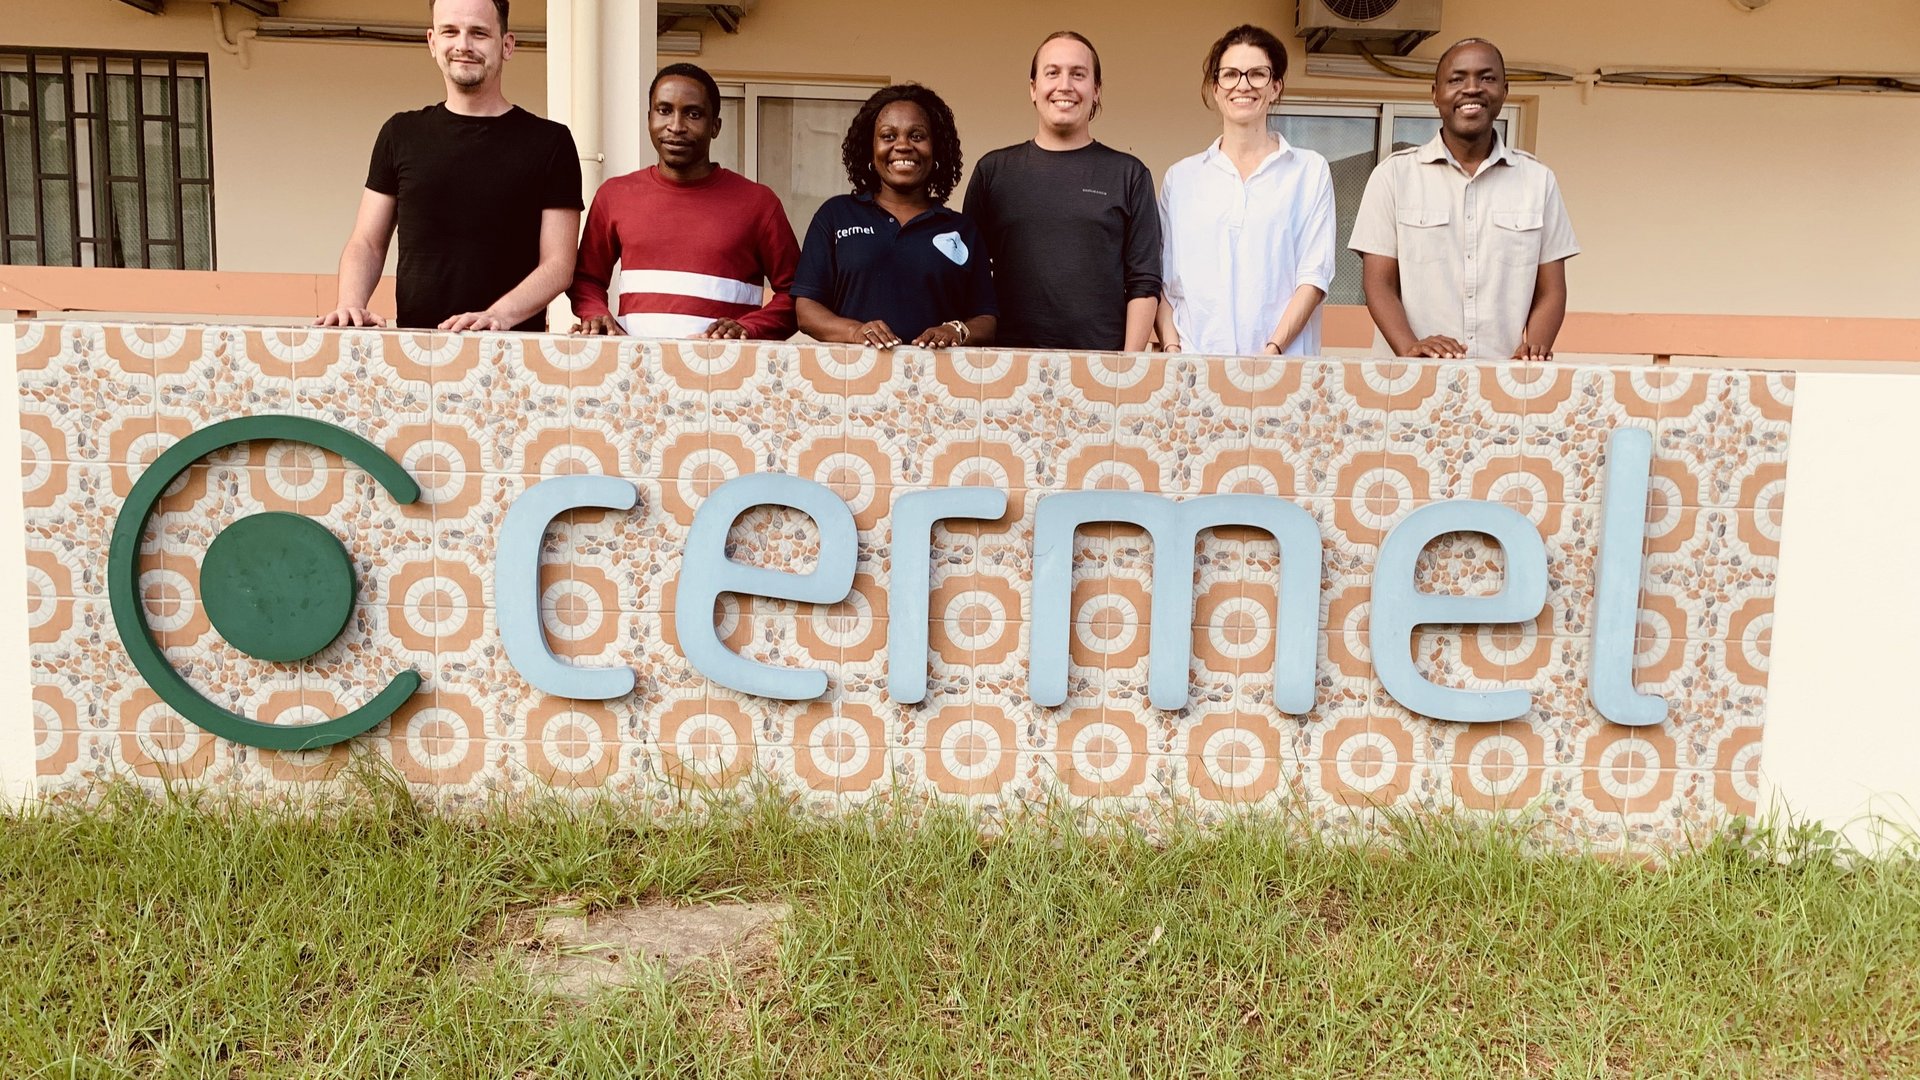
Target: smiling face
{"x": 468, "y": 42}
{"x": 681, "y": 123}
{"x": 903, "y": 147}
{"x": 1469, "y": 87}
{"x": 1241, "y": 102}
{"x": 1064, "y": 90}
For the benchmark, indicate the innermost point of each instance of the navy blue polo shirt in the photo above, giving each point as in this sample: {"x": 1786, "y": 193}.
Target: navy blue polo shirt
{"x": 861, "y": 263}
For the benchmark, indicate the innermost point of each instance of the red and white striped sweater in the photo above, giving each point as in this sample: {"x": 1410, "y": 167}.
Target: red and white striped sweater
{"x": 688, "y": 254}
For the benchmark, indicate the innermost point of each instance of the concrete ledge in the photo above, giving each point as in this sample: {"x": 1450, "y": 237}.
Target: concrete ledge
{"x": 1748, "y": 341}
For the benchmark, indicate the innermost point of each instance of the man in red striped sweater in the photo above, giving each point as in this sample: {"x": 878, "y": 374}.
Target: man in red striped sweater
{"x": 695, "y": 242}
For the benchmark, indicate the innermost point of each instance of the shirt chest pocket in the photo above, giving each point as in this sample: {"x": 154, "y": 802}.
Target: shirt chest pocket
{"x": 1516, "y": 236}
{"x": 1423, "y": 234}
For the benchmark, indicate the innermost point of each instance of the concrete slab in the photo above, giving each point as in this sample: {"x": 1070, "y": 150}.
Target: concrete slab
{"x": 578, "y": 956}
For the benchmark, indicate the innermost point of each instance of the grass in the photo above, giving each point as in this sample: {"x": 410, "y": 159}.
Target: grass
{"x": 168, "y": 938}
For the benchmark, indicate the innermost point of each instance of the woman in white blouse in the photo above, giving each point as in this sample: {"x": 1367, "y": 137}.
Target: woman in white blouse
{"x": 1247, "y": 222}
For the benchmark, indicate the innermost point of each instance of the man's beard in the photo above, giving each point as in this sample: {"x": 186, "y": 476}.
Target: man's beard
{"x": 466, "y": 74}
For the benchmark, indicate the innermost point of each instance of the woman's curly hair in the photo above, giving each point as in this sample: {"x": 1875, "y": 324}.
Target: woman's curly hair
{"x": 856, "y": 153}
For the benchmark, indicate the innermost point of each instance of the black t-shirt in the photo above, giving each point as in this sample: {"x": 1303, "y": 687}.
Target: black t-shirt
{"x": 1074, "y": 235}
{"x": 471, "y": 190}
{"x": 863, "y": 264}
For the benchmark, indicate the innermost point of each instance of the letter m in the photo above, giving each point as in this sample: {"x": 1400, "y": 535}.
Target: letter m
{"x": 1174, "y": 527}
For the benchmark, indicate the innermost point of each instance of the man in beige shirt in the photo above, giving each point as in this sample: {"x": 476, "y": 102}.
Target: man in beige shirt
{"x": 1465, "y": 240}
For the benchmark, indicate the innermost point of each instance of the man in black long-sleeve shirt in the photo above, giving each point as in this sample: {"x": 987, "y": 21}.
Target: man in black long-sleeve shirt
{"x": 1071, "y": 225}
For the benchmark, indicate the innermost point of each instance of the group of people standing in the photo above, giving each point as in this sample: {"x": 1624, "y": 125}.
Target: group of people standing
{"x": 1060, "y": 242}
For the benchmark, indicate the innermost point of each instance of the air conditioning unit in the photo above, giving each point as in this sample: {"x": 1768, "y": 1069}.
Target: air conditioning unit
{"x": 1383, "y": 26}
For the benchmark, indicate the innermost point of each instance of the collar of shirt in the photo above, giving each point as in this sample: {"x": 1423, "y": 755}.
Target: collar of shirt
{"x": 671, "y": 184}
{"x": 931, "y": 213}
{"x": 1436, "y": 151}
{"x": 1218, "y": 159}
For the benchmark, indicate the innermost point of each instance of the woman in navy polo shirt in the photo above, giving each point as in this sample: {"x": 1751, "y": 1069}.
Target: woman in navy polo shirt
{"x": 890, "y": 262}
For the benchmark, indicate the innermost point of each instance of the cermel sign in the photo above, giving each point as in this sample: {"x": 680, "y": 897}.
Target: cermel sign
{"x": 1397, "y": 606}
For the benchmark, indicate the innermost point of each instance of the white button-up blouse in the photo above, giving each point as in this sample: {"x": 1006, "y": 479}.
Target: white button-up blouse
{"x": 1236, "y": 251}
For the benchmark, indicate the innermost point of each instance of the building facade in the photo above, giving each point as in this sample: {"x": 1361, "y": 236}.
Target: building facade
{"x": 1724, "y": 202}
{"x": 177, "y": 159}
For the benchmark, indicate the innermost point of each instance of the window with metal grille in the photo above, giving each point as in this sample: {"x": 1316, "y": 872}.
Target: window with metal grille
{"x": 107, "y": 159}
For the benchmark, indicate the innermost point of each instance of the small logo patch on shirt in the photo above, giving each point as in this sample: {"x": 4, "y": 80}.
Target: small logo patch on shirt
{"x": 954, "y": 248}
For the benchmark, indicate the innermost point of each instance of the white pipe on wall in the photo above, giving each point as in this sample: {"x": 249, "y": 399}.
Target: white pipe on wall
{"x": 235, "y": 45}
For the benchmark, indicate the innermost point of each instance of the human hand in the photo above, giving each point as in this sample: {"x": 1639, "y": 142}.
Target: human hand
{"x": 726, "y": 330}
{"x": 476, "y": 320}
{"x": 599, "y": 326}
{"x": 1438, "y": 347}
{"x": 943, "y": 336}
{"x": 1529, "y": 351}
{"x": 877, "y": 334}
{"x": 349, "y": 315}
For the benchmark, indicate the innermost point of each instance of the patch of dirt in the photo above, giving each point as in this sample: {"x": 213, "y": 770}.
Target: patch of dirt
{"x": 576, "y": 956}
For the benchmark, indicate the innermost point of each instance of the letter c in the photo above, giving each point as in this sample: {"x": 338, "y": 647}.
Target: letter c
{"x": 516, "y": 589}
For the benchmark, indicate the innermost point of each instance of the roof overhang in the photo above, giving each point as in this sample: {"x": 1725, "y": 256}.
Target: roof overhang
{"x": 727, "y": 15}
{"x": 262, "y": 8}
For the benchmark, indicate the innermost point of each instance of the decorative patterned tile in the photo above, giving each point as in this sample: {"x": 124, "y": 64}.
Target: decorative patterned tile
{"x": 84, "y": 384}
{"x": 59, "y": 731}
{"x": 503, "y": 415}
{"x": 1059, "y": 420}
{"x": 1175, "y": 431}
{"x": 1462, "y": 436}
{"x": 1728, "y": 570}
{"x": 1571, "y": 437}
{"x": 477, "y": 419}
{"x": 1330, "y": 421}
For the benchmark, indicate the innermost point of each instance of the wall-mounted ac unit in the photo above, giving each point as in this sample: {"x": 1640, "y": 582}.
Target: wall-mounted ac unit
{"x": 1384, "y": 26}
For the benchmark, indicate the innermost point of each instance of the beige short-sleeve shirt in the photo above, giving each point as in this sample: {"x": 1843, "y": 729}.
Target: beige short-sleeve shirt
{"x": 1470, "y": 247}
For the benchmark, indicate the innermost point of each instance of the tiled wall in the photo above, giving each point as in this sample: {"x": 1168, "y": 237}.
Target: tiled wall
{"x": 479, "y": 419}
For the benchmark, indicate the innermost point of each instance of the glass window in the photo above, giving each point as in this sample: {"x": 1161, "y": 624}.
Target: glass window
{"x": 799, "y": 149}
{"x": 105, "y": 159}
{"x": 1419, "y": 130}
{"x": 1354, "y": 137}
{"x": 1350, "y": 143}
{"x": 788, "y": 137}
{"x": 728, "y": 148}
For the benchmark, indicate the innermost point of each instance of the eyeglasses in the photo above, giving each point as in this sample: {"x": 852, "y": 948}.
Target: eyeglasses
{"x": 1258, "y": 78}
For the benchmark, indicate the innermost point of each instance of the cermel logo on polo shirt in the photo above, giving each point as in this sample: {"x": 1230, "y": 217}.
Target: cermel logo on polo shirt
{"x": 954, "y": 248}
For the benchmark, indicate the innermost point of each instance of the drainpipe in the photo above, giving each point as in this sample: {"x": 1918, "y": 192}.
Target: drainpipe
{"x": 232, "y": 46}
{"x": 588, "y": 128}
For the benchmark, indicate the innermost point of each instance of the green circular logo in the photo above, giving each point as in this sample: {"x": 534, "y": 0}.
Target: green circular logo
{"x": 277, "y": 586}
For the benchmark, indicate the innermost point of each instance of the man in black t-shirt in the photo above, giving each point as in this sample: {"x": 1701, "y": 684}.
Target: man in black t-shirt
{"x": 1072, "y": 226}
{"x": 485, "y": 194}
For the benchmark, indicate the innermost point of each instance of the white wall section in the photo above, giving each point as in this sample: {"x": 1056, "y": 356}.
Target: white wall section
{"x": 16, "y": 687}
{"x": 1842, "y": 741}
